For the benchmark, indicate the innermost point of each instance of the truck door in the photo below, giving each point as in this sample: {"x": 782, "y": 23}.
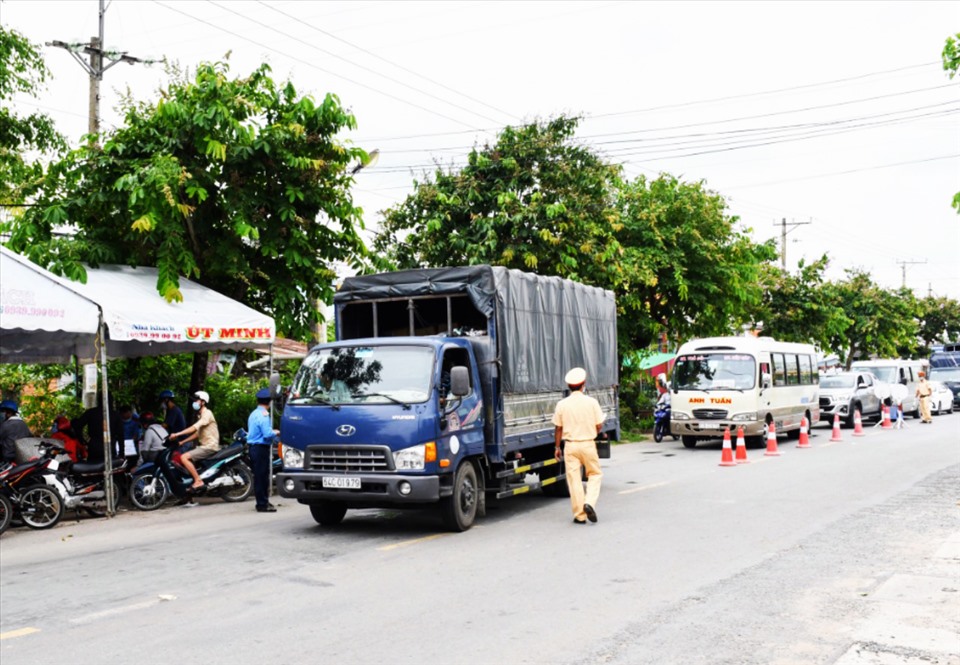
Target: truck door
{"x": 461, "y": 423}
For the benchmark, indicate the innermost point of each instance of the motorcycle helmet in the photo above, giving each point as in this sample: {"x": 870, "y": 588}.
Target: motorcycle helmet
{"x": 9, "y": 405}
{"x": 166, "y": 394}
{"x": 202, "y": 395}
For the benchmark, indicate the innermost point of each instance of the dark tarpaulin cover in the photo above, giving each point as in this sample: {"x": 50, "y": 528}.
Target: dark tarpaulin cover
{"x": 545, "y": 325}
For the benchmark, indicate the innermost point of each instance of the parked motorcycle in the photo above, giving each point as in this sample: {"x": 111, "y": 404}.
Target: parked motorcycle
{"x": 225, "y": 475}
{"x": 30, "y": 499}
{"x": 82, "y": 485}
{"x": 661, "y": 422}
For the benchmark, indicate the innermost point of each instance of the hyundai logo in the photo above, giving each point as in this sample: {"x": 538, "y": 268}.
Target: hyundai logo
{"x": 346, "y": 430}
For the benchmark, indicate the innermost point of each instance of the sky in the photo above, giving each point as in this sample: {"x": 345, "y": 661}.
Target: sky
{"x": 834, "y": 116}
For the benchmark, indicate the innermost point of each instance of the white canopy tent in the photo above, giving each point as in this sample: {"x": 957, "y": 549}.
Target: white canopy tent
{"x": 117, "y": 313}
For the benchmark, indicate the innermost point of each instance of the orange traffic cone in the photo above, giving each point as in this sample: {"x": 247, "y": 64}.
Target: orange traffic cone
{"x": 772, "y": 442}
{"x": 886, "y": 418}
{"x": 836, "y": 429}
{"x": 726, "y": 457}
{"x": 857, "y": 424}
{"x": 804, "y": 438}
{"x": 741, "y": 447}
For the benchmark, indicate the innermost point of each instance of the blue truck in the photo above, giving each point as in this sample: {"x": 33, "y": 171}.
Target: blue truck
{"x": 440, "y": 389}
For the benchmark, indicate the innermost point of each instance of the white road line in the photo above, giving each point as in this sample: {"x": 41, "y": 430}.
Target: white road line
{"x": 643, "y": 488}
{"x": 96, "y": 616}
{"x": 405, "y": 543}
{"x": 18, "y": 633}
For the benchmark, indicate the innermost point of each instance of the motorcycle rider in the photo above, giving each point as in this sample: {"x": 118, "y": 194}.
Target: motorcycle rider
{"x": 12, "y": 428}
{"x": 664, "y": 399}
{"x": 205, "y": 432}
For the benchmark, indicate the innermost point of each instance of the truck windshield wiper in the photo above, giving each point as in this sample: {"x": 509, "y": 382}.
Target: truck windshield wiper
{"x": 315, "y": 399}
{"x": 392, "y": 399}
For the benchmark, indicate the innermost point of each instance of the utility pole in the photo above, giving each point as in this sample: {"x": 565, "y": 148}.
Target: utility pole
{"x": 95, "y": 68}
{"x": 903, "y": 269}
{"x": 783, "y": 239}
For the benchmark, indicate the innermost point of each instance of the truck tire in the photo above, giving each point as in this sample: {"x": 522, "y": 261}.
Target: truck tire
{"x": 459, "y": 510}
{"x": 689, "y": 441}
{"x": 852, "y": 414}
{"x": 328, "y": 513}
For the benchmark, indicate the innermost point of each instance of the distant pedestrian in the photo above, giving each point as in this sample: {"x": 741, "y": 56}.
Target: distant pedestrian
{"x": 12, "y": 429}
{"x": 154, "y": 434}
{"x": 173, "y": 418}
{"x": 578, "y": 420}
{"x": 923, "y": 393}
{"x": 260, "y": 438}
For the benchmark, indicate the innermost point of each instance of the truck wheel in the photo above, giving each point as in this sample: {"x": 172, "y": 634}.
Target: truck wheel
{"x": 328, "y": 513}
{"x": 853, "y": 409}
{"x": 689, "y": 441}
{"x": 460, "y": 508}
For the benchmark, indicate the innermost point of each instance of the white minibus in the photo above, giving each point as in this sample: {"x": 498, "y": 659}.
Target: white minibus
{"x": 747, "y": 382}
{"x": 895, "y": 370}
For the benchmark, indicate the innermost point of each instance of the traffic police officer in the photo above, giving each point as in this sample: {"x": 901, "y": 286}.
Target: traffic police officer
{"x": 260, "y": 438}
{"x": 578, "y": 419}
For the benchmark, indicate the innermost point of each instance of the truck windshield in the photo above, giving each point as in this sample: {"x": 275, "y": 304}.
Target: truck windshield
{"x": 715, "y": 371}
{"x": 841, "y": 381}
{"x": 945, "y": 374}
{"x": 888, "y": 374}
{"x": 364, "y": 375}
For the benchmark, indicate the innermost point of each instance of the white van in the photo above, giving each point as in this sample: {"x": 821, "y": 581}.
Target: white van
{"x": 893, "y": 371}
{"x": 748, "y": 382}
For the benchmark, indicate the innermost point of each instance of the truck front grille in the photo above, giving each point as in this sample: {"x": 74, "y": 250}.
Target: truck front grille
{"x": 348, "y": 459}
{"x": 709, "y": 414}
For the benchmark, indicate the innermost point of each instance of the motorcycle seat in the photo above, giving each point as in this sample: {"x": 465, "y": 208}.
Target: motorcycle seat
{"x": 223, "y": 453}
{"x": 86, "y": 468}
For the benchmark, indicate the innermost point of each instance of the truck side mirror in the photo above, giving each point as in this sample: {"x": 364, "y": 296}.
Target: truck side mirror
{"x": 765, "y": 381}
{"x": 279, "y": 399}
{"x": 459, "y": 381}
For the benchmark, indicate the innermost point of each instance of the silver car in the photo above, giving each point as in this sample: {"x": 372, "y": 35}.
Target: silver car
{"x": 847, "y": 392}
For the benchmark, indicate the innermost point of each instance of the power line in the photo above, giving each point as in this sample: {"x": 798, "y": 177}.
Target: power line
{"x": 350, "y": 62}
{"x": 835, "y": 173}
{"x": 389, "y": 62}
{"x": 313, "y": 65}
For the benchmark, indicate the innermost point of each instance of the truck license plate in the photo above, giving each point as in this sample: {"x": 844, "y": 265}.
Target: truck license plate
{"x": 341, "y": 483}
{"x": 709, "y": 425}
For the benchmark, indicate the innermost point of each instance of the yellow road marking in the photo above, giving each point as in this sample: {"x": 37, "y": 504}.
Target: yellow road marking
{"x": 405, "y": 543}
{"x": 18, "y": 633}
{"x": 643, "y": 488}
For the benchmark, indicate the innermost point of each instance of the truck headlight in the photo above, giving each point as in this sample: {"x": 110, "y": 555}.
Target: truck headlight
{"x": 409, "y": 459}
{"x": 677, "y": 415}
{"x": 292, "y": 458}
{"x": 744, "y": 417}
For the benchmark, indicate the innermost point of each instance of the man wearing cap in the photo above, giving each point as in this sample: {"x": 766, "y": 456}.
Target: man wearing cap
{"x": 205, "y": 432}
{"x": 173, "y": 420}
{"x": 260, "y": 438}
{"x": 923, "y": 394}
{"x": 12, "y": 428}
{"x": 578, "y": 419}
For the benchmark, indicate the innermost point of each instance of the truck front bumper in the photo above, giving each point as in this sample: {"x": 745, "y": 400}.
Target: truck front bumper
{"x": 375, "y": 489}
{"x": 715, "y": 429}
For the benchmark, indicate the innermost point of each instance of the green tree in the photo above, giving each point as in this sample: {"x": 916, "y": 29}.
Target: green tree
{"x": 951, "y": 65}
{"x": 23, "y": 139}
{"x": 800, "y": 307}
{"x": 939, "y": 320}
{"x": 534, "y": 200}
{"x": 238, "y": 183}
{"x": 685, "y": 266}
{"x": 883, "y": 322}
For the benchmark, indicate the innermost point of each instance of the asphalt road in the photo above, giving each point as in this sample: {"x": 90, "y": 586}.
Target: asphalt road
{"x": 843, "y": 553}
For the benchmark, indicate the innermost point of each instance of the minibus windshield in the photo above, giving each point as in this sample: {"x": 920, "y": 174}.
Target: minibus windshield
{"x": 715, "y": 371}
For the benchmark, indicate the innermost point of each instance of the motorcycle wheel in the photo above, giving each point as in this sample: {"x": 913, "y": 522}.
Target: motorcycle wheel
{"x": 148, "y": 492}
{"x": 40, "y": 507}
{"x": 658, "y": 433}
{"x": 6, "y": 513}
{"x": 242, "y": 474}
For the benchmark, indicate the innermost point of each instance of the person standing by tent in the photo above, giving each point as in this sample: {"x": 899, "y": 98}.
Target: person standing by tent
{"x": 260, "y": 438}
{"x": 578, "y": 420}
{"x": 173, "y": 419}
{"x": 12, "y": 429}
{"x": 63, "y": 430}
{"x": 205, "y": 432}
{"x": 923, "y": 394}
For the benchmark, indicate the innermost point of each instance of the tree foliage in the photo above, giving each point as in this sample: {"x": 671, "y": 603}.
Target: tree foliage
{"x": 939, "y": 320}
{"x": 883, "y": 321}
{"x": 951, "y": 65}
{"x": 23, "y": 139}
{"x": 801, "y": 307}
{"x": 534, "y": 200}
{"x": 240, "y": 184}
{"x": 686, "y": 268}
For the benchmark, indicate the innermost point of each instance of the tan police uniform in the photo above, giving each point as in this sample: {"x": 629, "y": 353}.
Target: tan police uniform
{"x": 577, "y": 416}
{"x": 923, "y": 392}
